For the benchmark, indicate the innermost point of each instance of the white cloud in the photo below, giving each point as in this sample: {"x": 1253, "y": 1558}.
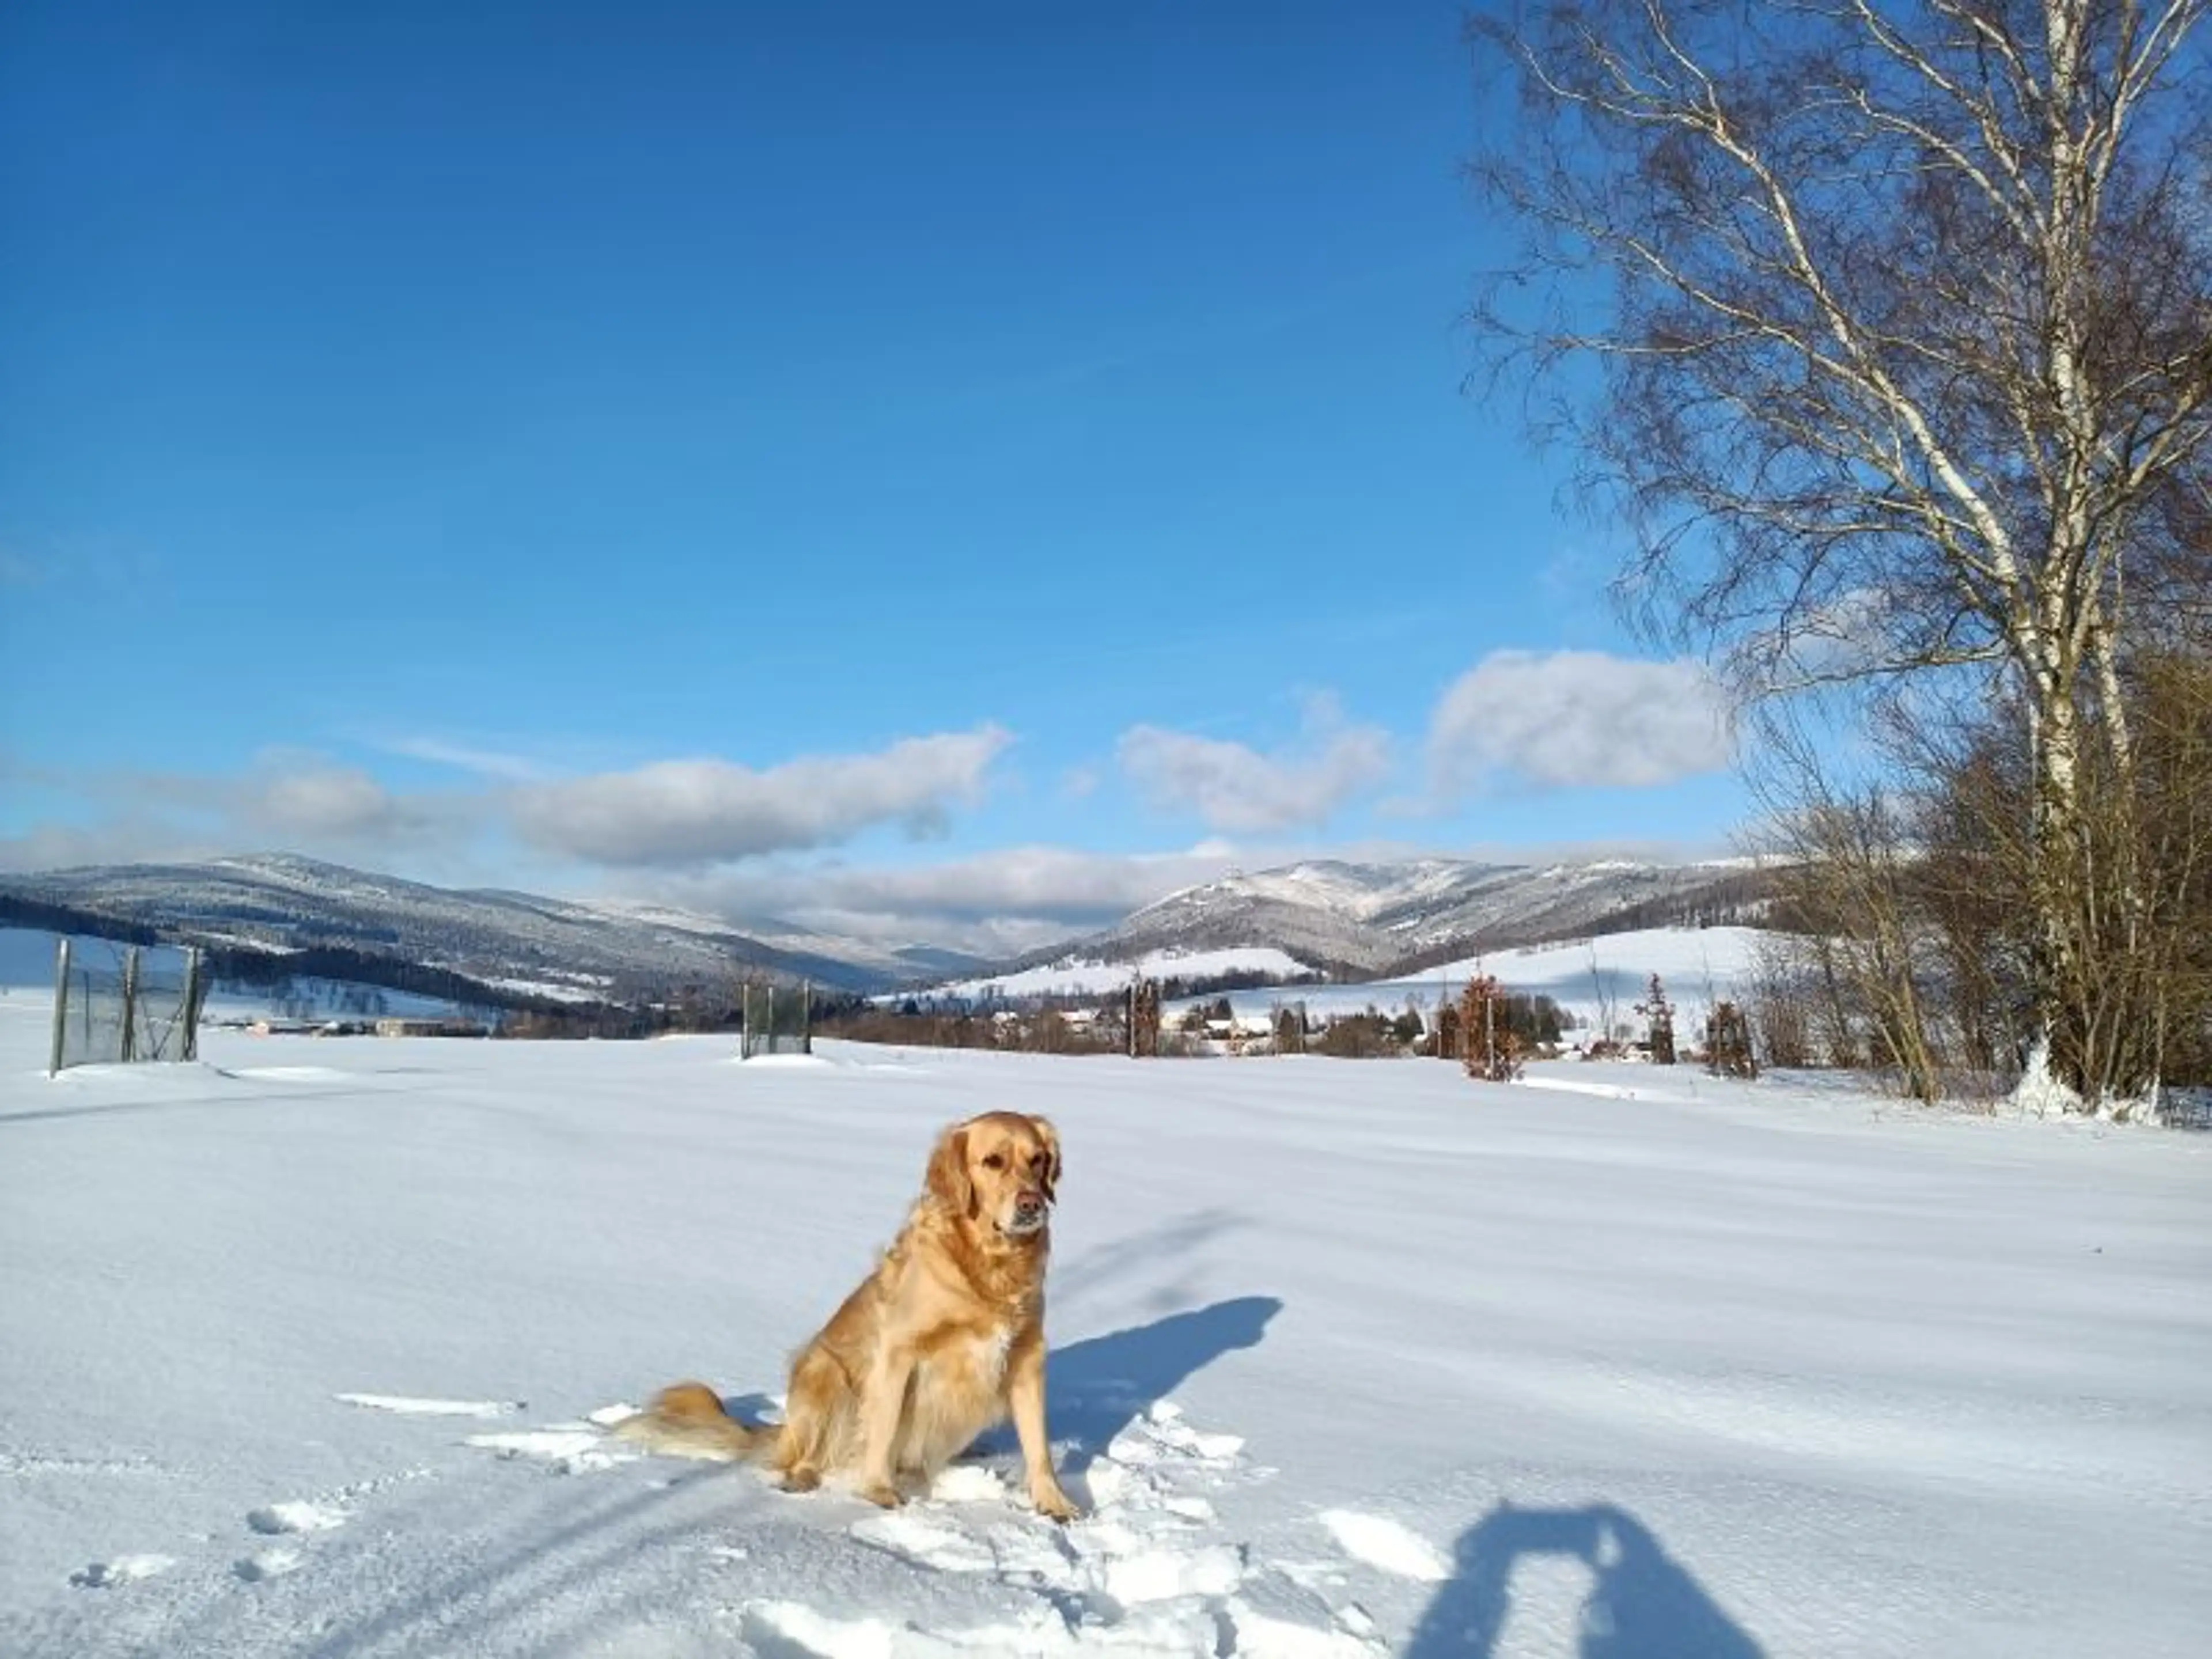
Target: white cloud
{"x": 674, "y": 813}
{"x": 1565, "y": 718}
{"x": 1234, "y": 787}
{"x": 331, "y": 803}
{"x": 1005, "y": 900}
{"x": 289, "y": 799}
{"x": 465, "y": 758}
{"x": 134, "y": 840}
{"x": 671, "y": 814}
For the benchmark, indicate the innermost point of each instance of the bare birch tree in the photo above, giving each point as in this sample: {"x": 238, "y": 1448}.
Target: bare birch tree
{"x": 1901, "y": 317}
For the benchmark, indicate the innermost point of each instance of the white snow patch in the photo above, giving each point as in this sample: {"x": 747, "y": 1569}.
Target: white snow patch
{"x": 1264, "y": 1635}
{"x": 1075, "y": 976}
{"x": 406, "y": 1407}
{"x": 1387, "y": 1544}
{"x": 569, "y": 1447}
{"x": 967, "y": 1483}
{"x": 1140, "y": 1574}
{"x": 1576, "y": 1085}
{"x": 587, "y": 987}
{"x": 932, "y": 1543}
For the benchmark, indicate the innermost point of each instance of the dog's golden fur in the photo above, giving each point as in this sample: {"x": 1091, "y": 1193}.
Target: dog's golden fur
{"x": 943, "y": 1341}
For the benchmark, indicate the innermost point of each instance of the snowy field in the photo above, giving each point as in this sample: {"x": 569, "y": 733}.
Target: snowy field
{"x": 301, "y": 1347}
{"x": 1587, "y": 978}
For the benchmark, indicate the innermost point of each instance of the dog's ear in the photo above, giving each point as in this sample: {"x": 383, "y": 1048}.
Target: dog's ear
{"x": 948, "y": 1171}
{"x": 1050, "y": 1136}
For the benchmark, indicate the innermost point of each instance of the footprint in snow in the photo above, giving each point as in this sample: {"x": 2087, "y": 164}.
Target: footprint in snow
{"x": 123, "y": 1569}
{"x": 273, "y": 1563}
{"x": 301, "y": 1517}
{"x": 1149, "y": 1568}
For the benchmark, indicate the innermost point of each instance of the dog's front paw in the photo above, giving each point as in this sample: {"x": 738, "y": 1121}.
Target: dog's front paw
{"x": 1054, "y": 1503}
{"x": 881, "y": 1493}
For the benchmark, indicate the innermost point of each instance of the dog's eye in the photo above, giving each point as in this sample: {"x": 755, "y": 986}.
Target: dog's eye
{"x": 996, "y": 1161}
{"x": 1036, "y": 1160}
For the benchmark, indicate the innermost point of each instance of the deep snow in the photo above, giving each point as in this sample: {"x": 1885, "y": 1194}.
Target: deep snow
{"x": 303, "y": 1347}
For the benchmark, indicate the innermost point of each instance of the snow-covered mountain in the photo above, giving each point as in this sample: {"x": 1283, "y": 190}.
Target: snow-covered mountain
{"x": 1368, "y": 919}
{"x": 1351, "y": 921}
{"x": 555, "y": 948}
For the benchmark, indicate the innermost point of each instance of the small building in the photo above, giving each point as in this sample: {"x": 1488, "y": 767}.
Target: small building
{"x": 392, "y": 1027}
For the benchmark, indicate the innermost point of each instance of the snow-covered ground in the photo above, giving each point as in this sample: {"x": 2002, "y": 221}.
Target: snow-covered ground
{"x": 306, "y": 1350}
{"x": 1072, "y": 976}
{"x": 583, "y": 987}
{"x": 1609, "y": 973}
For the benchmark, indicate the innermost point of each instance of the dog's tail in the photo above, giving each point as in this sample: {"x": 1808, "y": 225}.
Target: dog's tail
{"x": 687, "y": 1419}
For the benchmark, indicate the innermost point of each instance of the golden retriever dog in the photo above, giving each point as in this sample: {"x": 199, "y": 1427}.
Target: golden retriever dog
{"x": 944, "y": 1339}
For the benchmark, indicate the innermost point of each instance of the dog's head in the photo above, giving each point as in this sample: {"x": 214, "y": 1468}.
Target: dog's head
{"x": 1000, "y": 1170}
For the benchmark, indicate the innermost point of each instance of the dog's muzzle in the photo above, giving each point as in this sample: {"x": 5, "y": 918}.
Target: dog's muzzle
{"x": 1029, "y": 1213}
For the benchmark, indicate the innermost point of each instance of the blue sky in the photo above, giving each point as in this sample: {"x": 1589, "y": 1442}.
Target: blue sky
{"x": 957, "y": 470}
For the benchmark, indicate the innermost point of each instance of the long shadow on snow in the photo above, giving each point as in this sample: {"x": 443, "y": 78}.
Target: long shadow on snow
{"x": 453, "y": 1609}
{"x": 215, "y": 1102}
{"x": 1645, "y": 1605}
{"x": 1178, "y": 1241}
{"x": 1097, "y": 1387}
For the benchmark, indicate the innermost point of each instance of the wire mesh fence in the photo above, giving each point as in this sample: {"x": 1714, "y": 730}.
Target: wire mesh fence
{"x": 778, "y": 1020}
{"x": 120, "y": 1004}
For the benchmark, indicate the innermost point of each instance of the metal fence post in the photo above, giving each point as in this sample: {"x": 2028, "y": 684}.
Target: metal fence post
{"x": 128, "y": 1041}
{"x": 61, "y": 1004}
{"x": 195, "y": 993}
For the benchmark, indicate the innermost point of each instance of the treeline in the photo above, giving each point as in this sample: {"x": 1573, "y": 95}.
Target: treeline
{"x": 1533, "y": 1021}
{"x": 1035, "y": 1030}
{"x": 19, "y": 910}
{"x": 1173, "y": 988}
{"x": 1917, "y": 953}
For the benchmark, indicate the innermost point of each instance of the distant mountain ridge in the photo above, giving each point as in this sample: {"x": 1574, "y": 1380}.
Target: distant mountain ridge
{"x": 1348, "y": 919}
{"x": 1358, "y": 921}
{"x": 522, "y": 943}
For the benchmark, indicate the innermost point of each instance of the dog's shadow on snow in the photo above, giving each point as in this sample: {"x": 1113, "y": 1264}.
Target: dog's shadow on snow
{"x": 1642, "y": 1603}
{"x": 1095, "y": 1388}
